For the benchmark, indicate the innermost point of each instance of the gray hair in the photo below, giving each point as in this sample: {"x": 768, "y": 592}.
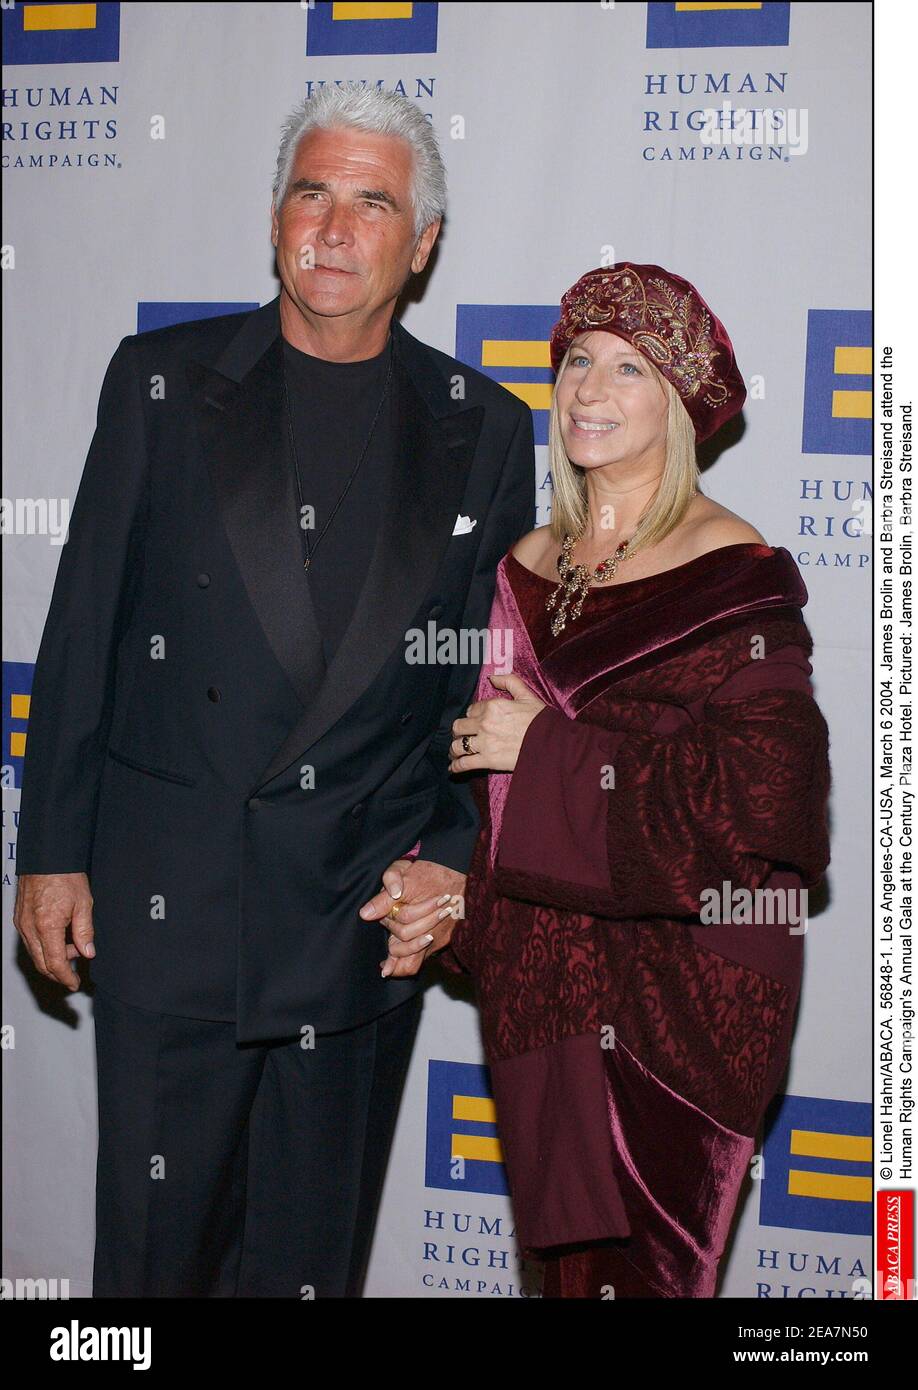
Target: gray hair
{"x": 384, "y": 113}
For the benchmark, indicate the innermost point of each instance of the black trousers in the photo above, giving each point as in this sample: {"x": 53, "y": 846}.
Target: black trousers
{"x": 240, "y": 1171}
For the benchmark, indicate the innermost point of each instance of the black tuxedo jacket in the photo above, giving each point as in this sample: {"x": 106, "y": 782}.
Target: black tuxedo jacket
{"x": 232, "y": 800}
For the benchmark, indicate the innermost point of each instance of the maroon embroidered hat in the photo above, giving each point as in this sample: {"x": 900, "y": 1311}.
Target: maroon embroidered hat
{"x": 665, "y": 319}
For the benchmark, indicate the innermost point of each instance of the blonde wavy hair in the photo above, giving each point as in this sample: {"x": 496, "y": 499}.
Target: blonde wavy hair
{"x": 667, "y": 507}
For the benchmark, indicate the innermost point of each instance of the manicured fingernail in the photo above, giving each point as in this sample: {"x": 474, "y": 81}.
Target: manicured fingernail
{"x": 444, "y": 912}
{"x": 426, "y": 940}
{"x": 445, "y": 899}
{"x": 395, "y": 895}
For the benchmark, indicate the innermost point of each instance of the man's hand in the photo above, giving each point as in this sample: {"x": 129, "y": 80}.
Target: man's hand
{"x": 428, "y": 900}
{"x": 46, "y": 905}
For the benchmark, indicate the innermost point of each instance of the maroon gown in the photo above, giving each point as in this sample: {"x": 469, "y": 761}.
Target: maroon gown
{"x": 634, "y": 1044}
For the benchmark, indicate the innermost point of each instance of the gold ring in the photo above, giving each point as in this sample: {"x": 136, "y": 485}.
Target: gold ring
{"x": 394, "y": 910}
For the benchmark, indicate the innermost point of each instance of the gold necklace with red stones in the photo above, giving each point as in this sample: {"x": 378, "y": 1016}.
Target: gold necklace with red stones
{"x": 576, "y": 579}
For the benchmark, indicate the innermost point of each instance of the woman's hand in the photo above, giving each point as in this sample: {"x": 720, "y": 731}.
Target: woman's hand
{"x": 420, "y": 903}
{"x": 496, "y": 728}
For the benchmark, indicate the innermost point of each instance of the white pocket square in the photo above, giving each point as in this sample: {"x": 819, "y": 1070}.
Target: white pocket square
{"x": 463, "y": 525}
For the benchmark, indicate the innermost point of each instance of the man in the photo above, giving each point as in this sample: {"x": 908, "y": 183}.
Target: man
{"x": 227, "y": 745}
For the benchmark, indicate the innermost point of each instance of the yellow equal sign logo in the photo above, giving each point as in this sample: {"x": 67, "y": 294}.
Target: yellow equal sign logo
{"x": 46, "y": 17}
{"x": 482, "y": 1110}
{"x": 852, "y": 405}
{"x": 521, "y": 352}
{"x": 836, "y": 1187}
{"x": 720, "y": 7}
{"x": 19, "y": 709}
{"x": 382, "y": 10}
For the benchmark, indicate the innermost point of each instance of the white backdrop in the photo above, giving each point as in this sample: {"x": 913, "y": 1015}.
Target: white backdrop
{"x": 139, "y": 148}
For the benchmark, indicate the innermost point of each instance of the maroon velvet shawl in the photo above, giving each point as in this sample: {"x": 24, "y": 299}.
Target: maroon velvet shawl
{"x": 582, "y": 902}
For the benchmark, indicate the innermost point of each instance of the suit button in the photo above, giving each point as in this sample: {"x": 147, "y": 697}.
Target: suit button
{"x": 435, "y": 611}
{"x": 213, "y": 694}
{"x": 357, "y": 810}
{"x": 405, "y": 717}
{"x": 203, "y": 581}
{"x": 253, "y": 803}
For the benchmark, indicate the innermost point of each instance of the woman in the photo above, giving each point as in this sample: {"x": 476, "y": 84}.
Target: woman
{"x": 656, "y": 751}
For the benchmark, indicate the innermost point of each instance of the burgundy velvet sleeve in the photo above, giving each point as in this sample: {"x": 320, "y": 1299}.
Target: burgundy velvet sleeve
{"x": 624, "y": 824}
{"x": 450, "y": 962}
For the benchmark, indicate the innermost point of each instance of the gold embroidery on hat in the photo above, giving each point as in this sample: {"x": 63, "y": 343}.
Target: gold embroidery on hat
{"x": 659, "y": 325}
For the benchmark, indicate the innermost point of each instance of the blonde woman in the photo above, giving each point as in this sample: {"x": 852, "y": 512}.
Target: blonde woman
{"x": 655, "y": 757}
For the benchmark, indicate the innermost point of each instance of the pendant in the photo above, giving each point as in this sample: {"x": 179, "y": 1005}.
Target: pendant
{"x": 306, "y": 562}
{"x": 575, "y": 581}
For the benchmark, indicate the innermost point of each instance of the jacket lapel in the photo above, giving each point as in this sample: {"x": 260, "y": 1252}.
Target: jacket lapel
{"x": 243, "y": 429}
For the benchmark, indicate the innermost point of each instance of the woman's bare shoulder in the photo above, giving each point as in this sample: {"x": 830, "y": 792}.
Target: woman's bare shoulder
{"x": 711, "y": 526}
{"x": 532, "y": 547}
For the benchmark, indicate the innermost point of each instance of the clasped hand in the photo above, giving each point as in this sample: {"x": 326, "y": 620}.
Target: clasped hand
{"x": 419, "y": 904}
{"x": 427, "y": 898}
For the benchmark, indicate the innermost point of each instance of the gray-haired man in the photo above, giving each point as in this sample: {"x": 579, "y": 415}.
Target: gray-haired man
{"x": 227, "y": 746}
